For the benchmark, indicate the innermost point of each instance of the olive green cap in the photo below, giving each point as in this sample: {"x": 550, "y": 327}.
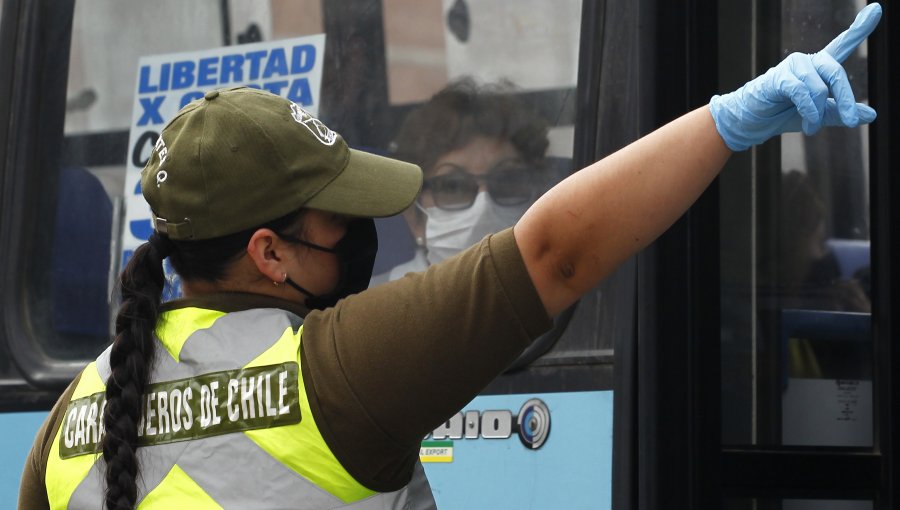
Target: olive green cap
{"x": 241, "y": 157}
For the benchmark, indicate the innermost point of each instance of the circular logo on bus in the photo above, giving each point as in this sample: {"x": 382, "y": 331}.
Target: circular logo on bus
{"x": 534, "y": 423}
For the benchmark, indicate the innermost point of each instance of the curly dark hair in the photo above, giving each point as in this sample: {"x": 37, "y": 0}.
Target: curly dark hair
{"x": 465, "y": 110}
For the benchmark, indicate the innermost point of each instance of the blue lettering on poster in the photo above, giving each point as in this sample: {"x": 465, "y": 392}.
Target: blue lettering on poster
{"x": 151, "y": 110}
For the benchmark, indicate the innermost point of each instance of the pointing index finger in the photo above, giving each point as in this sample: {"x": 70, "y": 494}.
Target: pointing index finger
{"x": 845, "y": 43}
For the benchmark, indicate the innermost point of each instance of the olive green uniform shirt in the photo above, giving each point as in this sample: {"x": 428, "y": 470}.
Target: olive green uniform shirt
{"x": 385, "y": 367}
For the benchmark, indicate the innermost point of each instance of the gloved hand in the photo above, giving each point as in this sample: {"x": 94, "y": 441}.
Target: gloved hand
{"x": 795, "y": 93}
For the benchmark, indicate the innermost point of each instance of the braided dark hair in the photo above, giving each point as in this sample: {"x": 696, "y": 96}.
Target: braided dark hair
{"x": 141, "y": 285}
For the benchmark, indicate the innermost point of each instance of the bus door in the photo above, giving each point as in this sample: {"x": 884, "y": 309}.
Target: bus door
{"x": 763, "y": 372}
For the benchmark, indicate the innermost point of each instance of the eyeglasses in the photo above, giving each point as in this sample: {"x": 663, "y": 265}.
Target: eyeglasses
{"x": 509, "y": 182}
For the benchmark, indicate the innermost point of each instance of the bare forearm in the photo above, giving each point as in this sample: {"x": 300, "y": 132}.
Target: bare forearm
{"x": 579, "y": 231}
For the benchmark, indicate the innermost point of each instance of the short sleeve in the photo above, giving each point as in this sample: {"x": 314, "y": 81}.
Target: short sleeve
{"x": 399, "y": 359}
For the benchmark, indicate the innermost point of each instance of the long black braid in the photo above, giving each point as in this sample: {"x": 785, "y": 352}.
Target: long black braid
{"x": 141, "y": 285}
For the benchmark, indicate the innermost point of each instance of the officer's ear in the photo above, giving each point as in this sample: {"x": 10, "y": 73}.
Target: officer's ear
{"x": 266, "y": 250}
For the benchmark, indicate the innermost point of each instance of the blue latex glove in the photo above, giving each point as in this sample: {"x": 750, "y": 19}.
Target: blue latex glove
{"x": 802, "y": 92}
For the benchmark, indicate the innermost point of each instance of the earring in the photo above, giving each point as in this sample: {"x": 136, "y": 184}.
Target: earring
{"x": 283, "y": 279}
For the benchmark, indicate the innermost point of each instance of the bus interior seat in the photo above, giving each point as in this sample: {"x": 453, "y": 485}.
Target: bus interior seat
{"x": 851, "y": 254}
{"x": 80, "y": 255}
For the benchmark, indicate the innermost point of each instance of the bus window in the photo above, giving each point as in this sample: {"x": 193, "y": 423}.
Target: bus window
{"x": 79, "y": 217}
{"x": 796, "y": 273}
{"x": 387, "y": 65}
{"x": 482, "y": 95}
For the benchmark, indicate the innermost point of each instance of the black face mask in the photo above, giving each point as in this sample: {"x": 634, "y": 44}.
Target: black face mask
{"x": 356, "y": 259}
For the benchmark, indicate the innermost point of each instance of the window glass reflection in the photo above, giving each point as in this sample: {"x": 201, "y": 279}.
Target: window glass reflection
{"x": 796, "y": 273}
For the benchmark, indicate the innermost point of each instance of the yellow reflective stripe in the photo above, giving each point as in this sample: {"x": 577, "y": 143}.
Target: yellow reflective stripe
{"x": 176, "y": 326}
{"x": 301, "y": 446}
{"x": 67, "y": 476}
{"x": 89, "y": 383}
{"x": 178, "y": 490}
{"x": 64, "y": 476}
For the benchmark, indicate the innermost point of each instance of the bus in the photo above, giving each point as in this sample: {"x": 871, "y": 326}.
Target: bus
{"x": 745, "y": 360}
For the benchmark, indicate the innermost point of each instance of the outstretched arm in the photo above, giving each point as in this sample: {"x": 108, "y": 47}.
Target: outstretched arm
{"x": 578, "y": 232}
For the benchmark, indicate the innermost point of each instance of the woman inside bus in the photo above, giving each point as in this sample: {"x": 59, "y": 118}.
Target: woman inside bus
{"x": 276, "y": 382}
{"x": 482, "y": 154}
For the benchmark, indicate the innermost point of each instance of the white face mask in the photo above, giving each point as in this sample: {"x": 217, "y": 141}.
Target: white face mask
{"x": 449, "y": 232}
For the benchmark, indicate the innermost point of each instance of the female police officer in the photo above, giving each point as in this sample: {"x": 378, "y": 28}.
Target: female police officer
{"x": 264, "y": 388}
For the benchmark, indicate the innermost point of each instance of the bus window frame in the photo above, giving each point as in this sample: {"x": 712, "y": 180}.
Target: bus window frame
{"x": 29, "y": 56}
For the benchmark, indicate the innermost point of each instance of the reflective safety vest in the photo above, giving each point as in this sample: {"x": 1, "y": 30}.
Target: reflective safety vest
{"x": 226, "y": 425}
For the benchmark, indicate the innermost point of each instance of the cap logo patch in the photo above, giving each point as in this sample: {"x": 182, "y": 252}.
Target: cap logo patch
{"x": 161, "y": 149}
{"x": 314, "y": 125}
{"x": 161, "y": 177}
